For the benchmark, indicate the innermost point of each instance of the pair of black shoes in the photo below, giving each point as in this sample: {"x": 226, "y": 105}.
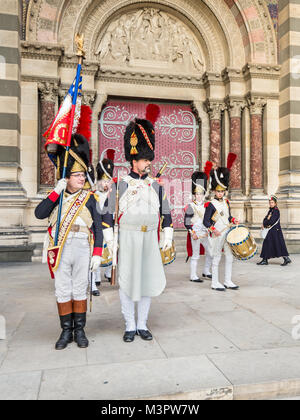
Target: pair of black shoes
{"x": 66, "y": 336}
{"x": 208, "y": 276}
{"x": 286, "y": 261}
{"x": 144, "y": 334}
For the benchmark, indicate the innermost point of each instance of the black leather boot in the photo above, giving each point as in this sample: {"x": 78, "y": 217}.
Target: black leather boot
{"x": 286, "y": 261}
{"x": 263, "y": 262}
{"x": 66, "y": 336}
{"x": 79, "y": 334}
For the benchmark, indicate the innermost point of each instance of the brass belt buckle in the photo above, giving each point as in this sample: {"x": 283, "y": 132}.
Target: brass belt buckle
{"x": 144, "y": 228}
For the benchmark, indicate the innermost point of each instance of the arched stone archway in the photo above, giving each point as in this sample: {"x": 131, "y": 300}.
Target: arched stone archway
{"x": 233, "y": 26}
{"x": 228, "y": 72}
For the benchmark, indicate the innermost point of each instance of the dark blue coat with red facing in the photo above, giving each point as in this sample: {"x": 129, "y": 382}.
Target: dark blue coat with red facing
{"x": 274, "y": 244}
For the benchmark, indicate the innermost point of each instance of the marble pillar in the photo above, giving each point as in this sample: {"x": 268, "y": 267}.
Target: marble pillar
{"x": 235, "y": 114}
{"x": 48, "y": 94}
{"x": 215, "y": 110}
{"x": 256, "y": 106}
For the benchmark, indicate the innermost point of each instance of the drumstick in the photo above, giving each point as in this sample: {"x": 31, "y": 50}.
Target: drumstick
{"x": 226, "y": 227}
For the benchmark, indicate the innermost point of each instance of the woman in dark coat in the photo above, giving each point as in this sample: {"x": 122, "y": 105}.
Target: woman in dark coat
{"x": 274, "y": 244}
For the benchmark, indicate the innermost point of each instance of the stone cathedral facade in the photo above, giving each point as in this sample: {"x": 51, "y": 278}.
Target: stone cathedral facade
{"x": 226, "y": 74}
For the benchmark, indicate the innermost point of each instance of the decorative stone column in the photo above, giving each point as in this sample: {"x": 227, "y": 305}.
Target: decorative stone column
{"x": 89, "y": 98}
{"x": 48, "y": 93}
{"x": 215, "y": 109}
{"x": 101, "y": 99}
{"x": 235, "y": 107}
{"x": 256, "y": 106}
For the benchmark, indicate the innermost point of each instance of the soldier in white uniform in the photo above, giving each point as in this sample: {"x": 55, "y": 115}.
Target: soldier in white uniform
{"x": 80, "y": 235}
{"x": 217, "y": 220}
{"x": 193, "y": 221}
{"x": 142, "y": 205}
{"x": 104, "y": 169}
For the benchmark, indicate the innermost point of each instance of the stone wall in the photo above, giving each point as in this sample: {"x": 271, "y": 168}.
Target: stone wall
{"x": 224, "y": 63}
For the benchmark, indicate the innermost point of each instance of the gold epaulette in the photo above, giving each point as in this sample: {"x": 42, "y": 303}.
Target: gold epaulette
{"x": 96, "y": 197}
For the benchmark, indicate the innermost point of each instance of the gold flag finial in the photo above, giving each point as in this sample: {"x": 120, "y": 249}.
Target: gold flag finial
{"x": 79, "y": 42}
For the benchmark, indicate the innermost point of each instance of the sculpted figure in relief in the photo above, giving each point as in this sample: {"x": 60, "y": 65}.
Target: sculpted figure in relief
{"x": 150, "y": 35}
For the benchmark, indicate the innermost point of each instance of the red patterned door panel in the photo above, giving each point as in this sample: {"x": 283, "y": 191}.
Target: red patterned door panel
{"x": 176, "y": 138}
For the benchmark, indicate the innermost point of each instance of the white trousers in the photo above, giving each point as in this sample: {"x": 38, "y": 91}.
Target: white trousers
{"x": 196, "y": 256}
{"x": 128, "y": 311}
{"x": 72, "y": 275}
{"x": 96, "y": 275}
{"x": 218, "y": 245}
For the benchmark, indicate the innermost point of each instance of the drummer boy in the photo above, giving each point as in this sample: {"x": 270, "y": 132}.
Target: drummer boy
{"x": 218, "y": 220}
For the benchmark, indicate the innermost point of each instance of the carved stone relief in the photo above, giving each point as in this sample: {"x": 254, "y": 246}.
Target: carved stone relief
{"x": 150, "y": 38}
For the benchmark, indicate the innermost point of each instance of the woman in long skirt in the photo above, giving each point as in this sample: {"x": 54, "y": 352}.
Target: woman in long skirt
{"x": 274, "y": 244}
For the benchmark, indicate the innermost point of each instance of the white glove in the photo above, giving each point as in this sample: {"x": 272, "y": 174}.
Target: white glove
{"x": 95, "y": 263}
{"x": 60, "y": 186}
{"x": 168, "y": 238}
{"x": 109, "y": 239}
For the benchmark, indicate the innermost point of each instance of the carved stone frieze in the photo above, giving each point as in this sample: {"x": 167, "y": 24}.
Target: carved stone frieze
{"x": 88, "y": 67}
{"x": 150, "y": 37}
{"x": 41, "y": 51}
{"x": 261, "y": 71}
{"x": 156, "y": 79}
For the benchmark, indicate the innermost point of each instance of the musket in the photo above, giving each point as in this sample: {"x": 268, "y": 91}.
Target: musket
{"x": 162, "y": 170}
{"x": 116, "y": 237}
{"x": 91, "y": 290}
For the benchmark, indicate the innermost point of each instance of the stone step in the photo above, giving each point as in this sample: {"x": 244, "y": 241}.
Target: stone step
{"x": 37, "y": 259}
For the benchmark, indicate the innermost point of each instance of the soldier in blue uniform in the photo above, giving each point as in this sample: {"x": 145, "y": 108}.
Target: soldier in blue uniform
{"x": 274, "y": 244}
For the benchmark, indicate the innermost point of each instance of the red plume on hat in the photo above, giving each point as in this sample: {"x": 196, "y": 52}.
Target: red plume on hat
{"x": 207, "y": 168}
{"x": 110, "y": 153}
{"x": 230, "y": 160}
{"x": 84, "y": 125}
{"x": 152, "y": 113}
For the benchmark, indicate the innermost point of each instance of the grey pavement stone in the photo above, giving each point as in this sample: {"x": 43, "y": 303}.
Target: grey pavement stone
{"x": 206, "y": 344}
{"x": 20, "y": 386}
{"x": 40, "y": 357}
{"x": 119, "y": 381}
{"x": 248, "y": 331}
{"x": 261, "y": 371}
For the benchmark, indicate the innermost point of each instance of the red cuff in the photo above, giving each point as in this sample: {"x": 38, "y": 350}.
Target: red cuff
{"x": 97, "y": 251}
{"x": 53, "y": 196}
{"x": 233, "y": 220}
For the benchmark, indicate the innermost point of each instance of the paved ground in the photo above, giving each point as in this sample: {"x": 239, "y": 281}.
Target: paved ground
{"x": 207, "y": 344}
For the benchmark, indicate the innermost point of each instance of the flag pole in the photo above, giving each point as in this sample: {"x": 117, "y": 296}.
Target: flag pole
{"x": 80, "y": 55}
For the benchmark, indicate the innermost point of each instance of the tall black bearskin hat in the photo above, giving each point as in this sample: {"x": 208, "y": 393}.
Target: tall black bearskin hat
{"x": 105, "y": 167}
{"x": 199, "y": 182}
{"x": 78, "y": 159}
{"x": 139, "y": 137}
{"x": 220, "y": 177}
{"x": 200, "y": 179}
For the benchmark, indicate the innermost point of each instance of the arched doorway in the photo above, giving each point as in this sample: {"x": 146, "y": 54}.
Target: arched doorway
{"x": 177, "y": 143}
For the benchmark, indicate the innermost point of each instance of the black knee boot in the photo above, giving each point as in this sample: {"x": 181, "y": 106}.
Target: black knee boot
{"x": 79, "y": 334}
{"x": 66, "y": 336}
